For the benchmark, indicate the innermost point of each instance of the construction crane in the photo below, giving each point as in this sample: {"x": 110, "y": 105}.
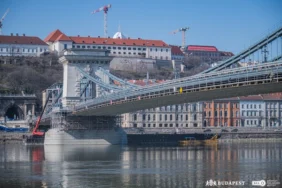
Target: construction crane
{"x": 2, "y": 19}
{"x": 183, "y": 30}
{"x": 105, "y": 9}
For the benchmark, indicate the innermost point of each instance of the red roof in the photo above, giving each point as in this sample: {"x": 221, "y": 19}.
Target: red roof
{"x": 251, "y": 98}
{"x": 202, "y": 48}
{"x": 7, "y": 39}
{"x": 175, "y": 50}
{"x": 273, "y": 96}
{"x": 56, "y": 36}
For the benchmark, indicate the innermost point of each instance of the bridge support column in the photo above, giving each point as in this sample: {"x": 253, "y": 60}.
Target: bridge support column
{"x": 91, "y": 130}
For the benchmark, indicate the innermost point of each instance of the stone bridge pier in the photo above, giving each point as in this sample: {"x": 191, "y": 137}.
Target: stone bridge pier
{"x": 93, "y": 130}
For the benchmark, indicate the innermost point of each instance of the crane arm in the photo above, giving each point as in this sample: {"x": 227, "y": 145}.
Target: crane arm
{"x": 174, "y": 32}
{"x": 98, "y": 10}
{"x": 3, "y": 17}
{"x": 104, "y": 8}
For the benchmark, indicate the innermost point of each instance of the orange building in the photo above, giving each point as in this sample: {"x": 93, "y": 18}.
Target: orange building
{"x": 223, "y": 112}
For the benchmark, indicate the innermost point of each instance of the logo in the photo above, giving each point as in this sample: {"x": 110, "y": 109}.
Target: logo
{"x": 261, "y": 183}
{"x": 211, "y": 183}
{"x": 224, "y": 183}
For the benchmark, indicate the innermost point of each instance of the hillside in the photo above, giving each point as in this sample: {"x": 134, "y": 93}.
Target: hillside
{"x": 29, "y": 74}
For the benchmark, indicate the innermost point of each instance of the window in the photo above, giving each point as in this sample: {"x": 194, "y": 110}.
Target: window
{"x": 119, "y": 48}
{"x": 149, "y": 125}
{"x": 165, "y": 117}
{"x": 104, "y": 47}
{"x": 114, "y": 48}
{"x": 242, "y": 106}
{"x": 160, "y": 117}
{"x": 149, "y": 117}
{"x": 186, "y": 125}
{"x": 83, "y": 47}
{"x": 186, "y": 117}
{"x": 170, "y": 117}
{"x": 160, "y": 125}
{"x": 135, "y": 117}
{"x": 195, "y": 117}
{"x": 171, "y": 125}
{"x": 93, "y": 47}
{"x": 119, "y": 53}
{"x": 154, "y": 125}
{"x": 144, "y": 117}
{"x": 144, "y": 49}
{"x": 134, "y": 48}
{"x": 150, "y": 49}
{"x": 99, "y": 47}
{"x": 124, "y": 48}
{"x": 156, "y": 49}
{"x": 139, "y": 48}
{"x": 124, "y": 52}
{"x": 166, "y": 50}
{"x": 225, "y": 113}
{"x": 144, "y": 125}
{"x": 161, "y": 50}
{"x": 165, "y": 125}
{"x": 129, "y": 48}
{"x": 109, "y": 47}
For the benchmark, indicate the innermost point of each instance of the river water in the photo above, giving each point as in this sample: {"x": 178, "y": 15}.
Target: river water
{"x": 117, "y": 166}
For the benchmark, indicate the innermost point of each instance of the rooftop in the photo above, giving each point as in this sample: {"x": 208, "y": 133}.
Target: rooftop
{"x": 202, "y": 48}
{"x": 30, "y": 40}
{"x": 57, "y": 35}
{"x": 175, "y": 50}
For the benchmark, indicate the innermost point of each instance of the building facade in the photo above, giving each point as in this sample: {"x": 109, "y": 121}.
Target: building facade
{"x": 176, "y": 53}
{"x": 188, "y": 115}
{"x": 252, "y": 111}
{"x": 122, "y": 47}
{"x": 208, "y": 54}
{"x": 15, "y": 45}
{"x": 273, "y": 110}
{"x": 222, "y": 113}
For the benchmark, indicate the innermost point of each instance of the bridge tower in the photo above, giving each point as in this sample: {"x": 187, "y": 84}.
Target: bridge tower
{"x": 75, "y": 64}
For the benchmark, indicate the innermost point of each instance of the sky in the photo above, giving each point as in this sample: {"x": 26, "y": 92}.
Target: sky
{"x": 230, "y": 25}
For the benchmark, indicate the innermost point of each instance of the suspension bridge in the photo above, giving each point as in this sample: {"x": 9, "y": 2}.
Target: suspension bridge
{"x": 85, "y": 109}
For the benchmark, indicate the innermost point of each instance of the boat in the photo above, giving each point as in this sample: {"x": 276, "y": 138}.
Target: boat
{"x": 192, "y": 141}
{"x": 166, "y": 139}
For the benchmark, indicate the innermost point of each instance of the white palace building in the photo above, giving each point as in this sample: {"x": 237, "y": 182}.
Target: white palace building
{"x": 119, "y": 45}
{"x": 16, "y": 45}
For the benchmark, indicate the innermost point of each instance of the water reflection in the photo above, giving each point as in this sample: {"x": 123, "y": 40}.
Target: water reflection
{"x": 114, "y": 166}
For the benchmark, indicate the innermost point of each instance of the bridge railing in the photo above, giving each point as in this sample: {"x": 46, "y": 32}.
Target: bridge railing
{"x": 251, "y": 49}
{"x": 194, "y": 82}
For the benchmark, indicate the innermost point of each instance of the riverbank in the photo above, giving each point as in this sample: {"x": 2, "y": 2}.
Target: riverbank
{"x": 9, "y": 137}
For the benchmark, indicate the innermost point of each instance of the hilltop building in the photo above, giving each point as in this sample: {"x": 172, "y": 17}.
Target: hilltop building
{"x": 118, "y": 46}
{"x": 176, "y": 53}
{"x": 15, "y": 45}
{"x": 207, "y": 53}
